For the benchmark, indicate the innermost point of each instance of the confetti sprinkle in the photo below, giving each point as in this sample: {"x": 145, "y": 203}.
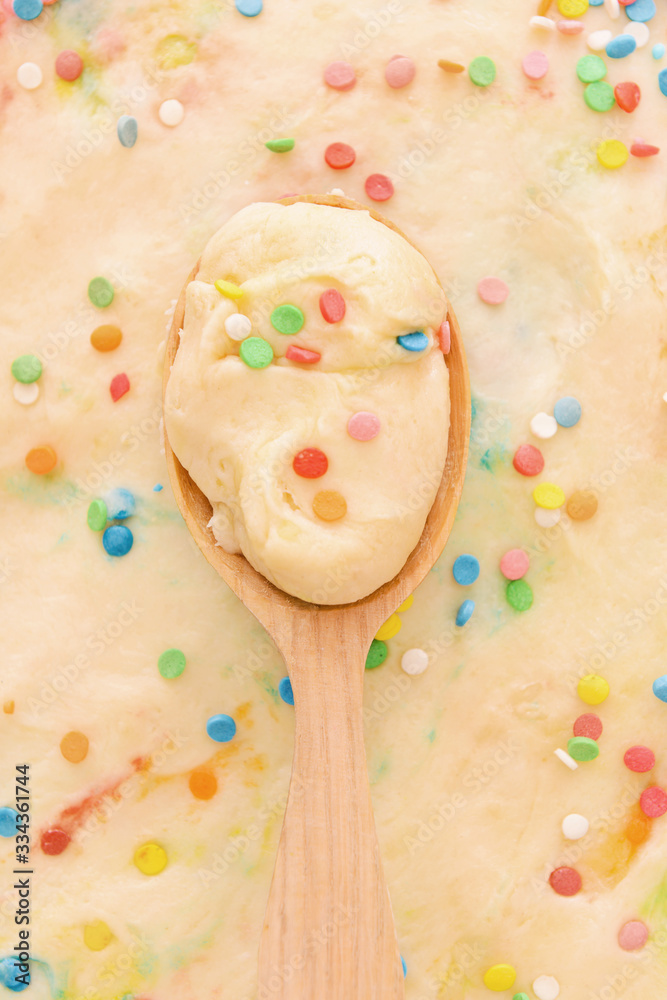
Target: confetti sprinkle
{"x": 97, "y": 935}
{"x": 119, "y": 386}
{"x": 639, "y": 759}
{"x": 581, "y": 748}
{"x": 97, "y": 515}
{"x": 340, "y": 76}
{"x": 566, "y": 759}
{"x": 285, "y": 691}
{"x": 171, "y": 663}
{"x": 450, "y": 67}
{"x": 482, "y": 71}
{"x": 575, "y": 826}
{"x": 660, "y": 687}
{"x": 514, "y": 564}
{"x": 332, "y": 305}
{"x": 633, "y": 935}
{"x": 27, "y": 10}
{"x": 445, "y": 337}
{"x": 582, "y": 505}
{"x": 565, "y": 881}
{"x": 464, "y": 613}
{"x": 662, "y": 81}
{"x": 639, "y": 32}
{"x": 29, "y": 75}
{"x": 641, "y": 10}
{"x": 74, "y": 746}
{"x": 572, "y": 8}
{"x": 25, "y": 394}
{"x": 27, "y": 368}
{"x": 653, "y": 802}
{"x": 228, "y": 288}
{"x": 591, "y": 69}
{"x": 628, "y": 96}
{"x": 657, "y": 51}
{"x": 127, "y": 130}
{"x": 599, "y": 96}
{"x": 535, "y": 65}
{"x": 545, "y": 23}
{"x": 612, "y": 154}
{"x": 643, "y": 149}
{"x": 256, "y": 352}
{"x": 379, "y": 187}
{"x": 69, "y": 65}
{"x": 310, "y": 463}
{"x": 528, "y": 460}
{"x": 519, "y": 595}
{"x": 8, "y": 818}
{"x": 238, "y": 326}
{"x": 499, "y": 977}
{"x": 465, "y": 569}
{"x": 280, "y": 145}
{"x": 302, "y": 355}
{"x": 621, "y": 46}
{"x": 567, "y": 411}
{"x": 548, "y": 495}
{"x": 415, "y": 342}
{"x": 203, "y": 785}
{"x": 117, "y": 540}
{"x": 339, "y": 156}
{"x": 41, "y": 460}
{"x": 407, "y": 603}
{"x": 390, "y": 628}
{"x": 589, "y": 725}
{"x": 546, "y": 987}
{"x": 249, "y": 8}
{"x": 10, "y": 973}
{"x": 377, "y": 654}
{"x": 171, "y": 113}
{"x": 106, "y": 338}
{"x": 399, "y": 72}
{"x": 54, "y": 841}
{"x": 150, "y": 859}
{"x": 287, "y": 319}
{"x": 493, "y": 291}
{"x": 100, "y": 292}
{"x": 363, "y": 426}
{"x": 570, "y": 27}
{"x": 221, "y": 728}
{"x": 543, "y": 425}
{"x": 598, "y": 40}
{"x": 593, "y": 689}
{"x": 414, "y": 661}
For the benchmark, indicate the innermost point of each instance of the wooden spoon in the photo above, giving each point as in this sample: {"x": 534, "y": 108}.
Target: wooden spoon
{"x": 329, "y": 931}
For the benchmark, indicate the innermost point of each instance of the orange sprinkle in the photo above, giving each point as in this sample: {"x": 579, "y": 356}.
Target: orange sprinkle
{"x": 450, "y": 67}
{"x": 543, "y": 7}
{"x": 106, "y": 337}
{"x": 74, "y": 747}
{"x": 329, "y": 505}
{"x": 582, "y": 505}
{"x": 203, "y": 784}
{"x": 638, "y": 829}
{"x": 41, "y": 460}
{"x": 8, "y": 707}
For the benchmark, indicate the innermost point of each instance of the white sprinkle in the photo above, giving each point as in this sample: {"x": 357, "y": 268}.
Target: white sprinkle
{"x": 598, "y": 40}
{"x": 29, "y": 75}
{"x": 543, "y": 425}
{"x": 337, "y": 191}
{"x": 613, "y": 8}
{"x": 171, "y": 113}
{"x": 664, "y": 394}
{"x": 547, "y": 518}
{"x": 546, "y": 988}
{"x": 542, "y": 22}
{"x": 639, "y": 31}
{"x": 414, "y": 661}
{"x": 26, "y": 394}
{"x": 575, "y": 826}
{"x": 238, "y": 326}
{"x": 565, "y": 757}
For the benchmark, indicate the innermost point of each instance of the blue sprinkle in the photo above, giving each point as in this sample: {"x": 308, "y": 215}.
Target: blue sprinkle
{"x": 567, "y": 411}
{"x": 641, "y": 10}
{"x": 658, "y": 50}
{"x": 120, "y": 504}
{"x": 8, "y": 818}
{"x": 158, "y": 488}
{"x": 27, "y": 10}
{"x": 621, "y": 46}
{"x": 221, "y": 728}
{"x": 660, "y": 688}
{"x": 405, "y": 968}
{"x": 9, "y": 973}
{"x": 285, "y": 691}
{"x": 417, "y": 341}
{"x": 596, "y": 3}
{"x": 128, "y": 130}
{"x": 662, "y": 81}
{"x": 464, "y": 614}
{"x": 117, "y": 540}
{"x": 466, "y": 570}
{"x": 249, "y": 8}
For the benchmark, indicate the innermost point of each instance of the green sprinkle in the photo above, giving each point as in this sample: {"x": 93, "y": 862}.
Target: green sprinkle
{"x": 582, "y": 748}
{"x": 287, "y": 319}
{"x": 256, "y": 353}
{"x": 280, "y": 145}
{"x": 520, "y": 996}
{"x": 519, "y": 595}
{"x": 599, "y": 96}
{"x": 377, "y": 654}
{"x": 171, "y": 663}
{"x": 27, "y": 368}
{"x": 97, "y": 515}
{"x": 100, "y": 292}
{"x": 590, "y": 69}
{"x": 482, "y": 71}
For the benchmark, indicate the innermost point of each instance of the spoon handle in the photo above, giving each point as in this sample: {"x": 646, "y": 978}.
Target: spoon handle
{"x": 328, "y": 931}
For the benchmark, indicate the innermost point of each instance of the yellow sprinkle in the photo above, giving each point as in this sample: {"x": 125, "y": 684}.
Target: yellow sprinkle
{"x": 407, "y": 603}
{"x": 97, "y": 935}
{"x": 572, "y": 8}
{"x": 548, "y": 495}
{"x": 592, "y": 689}
{"x": 150, "y": 859}
{"x": 499, "y": 977}
{"x": 450, "y": 67}
{"x": 612, "y": 154}
{"x": 543, "y": 7}
{"x": 229, "y": 289}
{"x": 391, "y": 627}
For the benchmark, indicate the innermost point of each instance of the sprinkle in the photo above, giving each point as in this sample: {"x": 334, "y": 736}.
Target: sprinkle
{"x": 653, "y": 802}
{"x": 528, "y": 460}
{"x": 633, "y": 935}
{"x": 158, "y": 488}
{"x": 590, "y": 69}
{"x": 25, "y": 394}
{"x": 567, "y": 411}
{"x": 407, "y": 603}
{"x": 543, "y": 7}
{"x": 519, "y": 595}
{"x": 256, "y": 353}
{"x": 464, "y": 613}
{"x": 572, "y": 8}
{"x": 581, "y": 748}
{"x": 339, "y": 156}
{"x": 332, "y": 305}
{"x": 493, "y": 291}
{"x": 546, "y": 988}
{"x": 69, "y": 65}
{"x": 249, "y": 8}
{"x": 548, "y": 495}
{"x": 8, "y": 820}
{"x": 542, "y": 22}
{"x": 363, "y": 426}
{"x": 280, "y": 145}
{"x": 638, "y": 829}
{"x": 570, "y": 27}
{"x": 127, "y": 130}
{"x": 97, "y": 935}
{"x": 120, "y": 504}
{"x": 302, "y": 355}
{"x": 404, "y": 966}
{"x": 285, "y": 691}
{"x": 171, "y": 663}
{"x": 465, "y": 569}
{"x": 106, "y": 338}
{"x": 612, "y": 154}
{"x": 74, "y": 746}
{"x": 593, "y": 689}
{"x": 100, "y": 292}
{"x": 657, "y": 51}
{"x": 520, "y": 996}
{"x": 547, "y": 518}
{"x": 628, "y": 96}
{"x": 445, "y": 337}
{"x": 641, "y": 10}
{"x": 482, "y": 71}
{"x": 27, "y": 368}
{"x": 150, "y": 859}
{"x": 340, "y": 76}
{"x": 543, "y": 425}
{"x": 499, "y": 978}
{"x": 8, "y": 707}
{"x": 54, "y": 841}
{"x": 662, "y": 81}
{"x": 377, "y": 654}
{"x": 29, "y": 75}
{"x": 660, "y": 687}
{"x": 535, "y": 65}
{"x": 329, "y": 505}
{"x": 566, "y": 759}
{"x": 203, "y": 785}
{"x": 379, "y": 187}
{"x": 11, "y": 976}
{"x": 41, "y": 460}
{"x": 565, "y": 881}
{"x": 514, "y": 564}
{"x": 639, "y": 32}
{"x": 644, "y": 149}
{"x": 597, "y": 40}
{"x": 621, "y": 46}
{"x": 119, "y": 386}
{"x": 390, "y": 628}
{"x": 639, "y": 759}
{"x": 415, "y": 342}
{"x": 589, "y": 725}
{"x": 238, "y": 326}
{"x": 311, "y": 463}
{"x": 450, "y": 67}
{"x": 27, "y": 10}
{"x": 228, "y": 289}
{"x": 599, "y": 96}
{"x": 287, "y": 319}
{"x": 171, "y": 112}
{"x": 575, "y": 826}
{"x": 221, "y": 728}
{"x": 612, "y": 8}
{"x": 414, "y": 661}
{"x": 117, "y": 540}
{"x": 399, "y": 71}
{"x": 582, "y": 505}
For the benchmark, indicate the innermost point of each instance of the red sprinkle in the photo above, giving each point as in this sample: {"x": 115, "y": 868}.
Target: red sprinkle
{"x": 120, "y": 384}
{"x": 332, "y": 305}
{"x": 565, "y": 881}
{"x": 644, "y": 149}
{"x": 445, "y": 337}
{"x": 589, "y": 725}
{"x": 69, "y": 65}
{"x": 379, "y": 187}
{"x": 339, "y": 155}
{"x": 340, "y": 76}
{"x": 627, "y": 96}
{"x": 54, "y": 841}
{"x": 302, "y": 354}
{"x": 653, "y": 802}
{"x": 640, "y": 759}
{"x": 528, "y": 460}
{"x": 311, "y": 463}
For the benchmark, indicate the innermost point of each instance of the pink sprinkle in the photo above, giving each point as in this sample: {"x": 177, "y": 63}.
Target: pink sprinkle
{"x": 379, "y": 187}
{"x": 400, "y": 71}
{"x": 302, "y": 354}
{"x": 535, "y": 65}
{"x": 633, "y": 935}
{"x": 445, "y": 336}
{"x": 589, "y": 725}
{"x": 653, "y": 802}
{"x": 332, "y": 305}
{"x": 639, "y": 759}
{"x": 493, "y": 291}
{"x": 514, "y": 564}
{"x": 644, "y": 149}
{"x": 69, "y": 65}
{"x": 363, "y": 426}
{"x": 340, "y": 76}
{"x": 120, "y": 384}
{"x": 570, "y": 27}
{"x": 528, "y": 460}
